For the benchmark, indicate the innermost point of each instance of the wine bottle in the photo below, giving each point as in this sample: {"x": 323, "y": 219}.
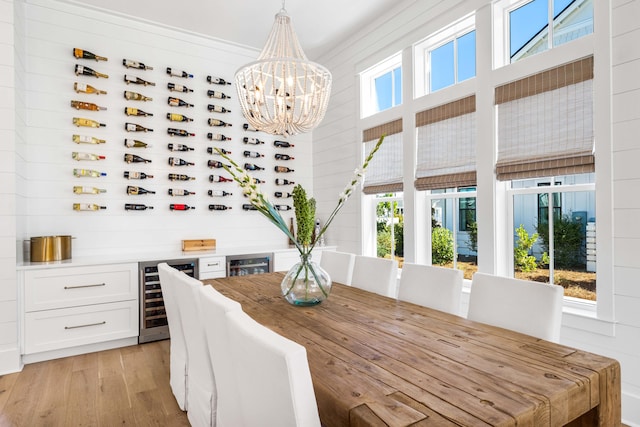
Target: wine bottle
{"x": 254, "y": 154}
{"x": 249, "y": 207}
{"x": 135, "y": 96}
{"x": 134, "y": 143}
{"x": 248, "y": 127}
{"x": 217, "y": 81}
{"x": 176, "y": 73}
{"x": 217, "y": 109}
{"x": 133, "y": 127}
{"x": 253, "y": 141}
{"x": 180, "y": 192}
{"x": 135, "y": 64}
{"x": 292, "y": 232}
{"x": 79, "y": 121}
{"x": 88, "y": 173}
{"x": 131, "y": 111}
{"x": 86, "y": 71}
{"x": 279, "y": 156}
{"x": 85, "y": 54}
{"x": 134, "y": 158}
{"x": 83, "y": 87}
{"x": 216, "y": 122}
{"x": 87, "y": 139}
{"x": 218, "y": 95}
{"x": 252, "y": 167}
{"x": 282, "y": 207}
{"x": 128, "y": 78}
{"x": 280, "y": 181}
{"x": 180, "y": 207}
{"x": 136, "y": 207}
{"x": 281, "y": 195}
{"x": 179, "y": 147}
{"x": 219, "y": 178}
{"x": 222, "y": 150}
{"x": 216, "y": 164}
{"x": 87, "y": 207}
{"x": 282, "y": 144}
{"x": 258, "y": 181}
{"x": 178, "y": 88}
{"x": 218, "y": 137}
{"x": 178, "y": 117}
{"x": 177, "y": 102}
{"x": 179, "y": 132}
{"x": 218, "y": 193}
{"x": 87, "y": 190}
{"x": 283, "y": 169}
{"x": 175, "y": 161}
{"x": 180, "y": 177}
{"x": 136, "y": 175}
{"x": 86, "y": 106}
{"x": 219, "y": 207}
{"x": 133, "y": 190}
{"x": 86, "y": 156}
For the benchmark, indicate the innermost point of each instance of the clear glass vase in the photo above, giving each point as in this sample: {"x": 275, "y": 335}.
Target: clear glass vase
{"x": 306, "y": 283}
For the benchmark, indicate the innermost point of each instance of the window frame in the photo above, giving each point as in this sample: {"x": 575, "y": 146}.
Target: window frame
{"x": 397, "y": 197}
{"x": 368, "y": 92}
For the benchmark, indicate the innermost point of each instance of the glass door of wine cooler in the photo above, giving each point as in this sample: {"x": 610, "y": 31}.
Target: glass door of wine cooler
{"x": 243, "y": 265}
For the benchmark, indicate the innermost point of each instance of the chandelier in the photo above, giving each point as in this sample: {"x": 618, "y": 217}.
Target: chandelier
{"x": 283, "y": 93}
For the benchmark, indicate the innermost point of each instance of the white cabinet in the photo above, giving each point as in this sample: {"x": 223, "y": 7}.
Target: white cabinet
{"x": 212, "y": 267}
{"x": 285, "y": 259}
{"x": 74, "y": 306}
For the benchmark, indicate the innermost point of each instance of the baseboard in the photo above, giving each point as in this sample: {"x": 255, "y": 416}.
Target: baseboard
{"x": 630, "y": 409}
{"x": 82, "y": 349}
{"x": 10, "y": 361}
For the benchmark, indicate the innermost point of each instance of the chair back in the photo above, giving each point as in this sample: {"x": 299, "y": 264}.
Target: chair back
{"x": 339, "y": 265}
{"x": 215, "y": 307}
{"x": 201, "y": 387}
{"x": 435, "y": 287}
{"x": 378, "y": 275}
{"x": 178, "y": 349}
{"x": 273, "y": 376}
{"x": 532, "y": 308}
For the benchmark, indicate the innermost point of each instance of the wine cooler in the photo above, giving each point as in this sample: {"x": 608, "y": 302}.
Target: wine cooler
{"x": 153, "y": 318}
{"x": 243, "y": 265}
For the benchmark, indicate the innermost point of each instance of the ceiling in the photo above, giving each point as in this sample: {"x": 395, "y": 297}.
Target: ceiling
{"x": 320, "y": 25}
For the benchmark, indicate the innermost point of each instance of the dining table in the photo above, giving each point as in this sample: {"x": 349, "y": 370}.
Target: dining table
{"x": 378, "y": 361}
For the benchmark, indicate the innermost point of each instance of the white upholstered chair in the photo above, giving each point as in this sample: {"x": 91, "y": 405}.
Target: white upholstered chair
{"x": 201, "y": 387}
{"x": 532, "y": 308}
{"x": 178, "y": 349}
{"x": 215, "y": 307}
{"x": 435, "y": 287}
{"x": 273, "y": 376}
{"x": 378, "y": 275}
{"x": 339, "y": 265}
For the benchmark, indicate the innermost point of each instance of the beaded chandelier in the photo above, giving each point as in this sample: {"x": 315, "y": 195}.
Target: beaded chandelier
{"x": 283, "y": 93}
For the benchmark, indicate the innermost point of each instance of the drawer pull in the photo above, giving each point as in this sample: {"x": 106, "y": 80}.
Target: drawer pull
{"x": 214, "y": 264}
{"x": 87, "y": 325}
{"x": 86, "y": 286}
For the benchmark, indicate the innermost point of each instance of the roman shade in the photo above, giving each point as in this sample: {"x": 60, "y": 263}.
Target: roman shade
{"x": 545, "y": 123}
{"x": 384, "y": 173}
{"x": 446, "y": 137}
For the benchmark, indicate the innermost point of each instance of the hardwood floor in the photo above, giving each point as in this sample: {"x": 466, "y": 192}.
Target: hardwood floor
{"x": 125, "y": 386}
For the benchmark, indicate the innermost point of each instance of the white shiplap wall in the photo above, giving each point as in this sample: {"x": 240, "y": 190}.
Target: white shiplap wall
{"x": 337, "y": 153}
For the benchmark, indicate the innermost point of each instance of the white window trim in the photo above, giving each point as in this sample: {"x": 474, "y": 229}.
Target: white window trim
{"x": 368, "y": 99}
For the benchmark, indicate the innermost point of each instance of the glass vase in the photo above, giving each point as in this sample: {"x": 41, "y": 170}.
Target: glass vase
{"x": 306, "y": 283}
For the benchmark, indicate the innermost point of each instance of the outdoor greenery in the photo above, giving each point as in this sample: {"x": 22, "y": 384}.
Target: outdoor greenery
{"x": 384, "y": 212}
{"x": 568, "y": 238}
{"x": 441, "y": 246}
{"x": 523, "y": 260}
{"x": 473, "y": 236}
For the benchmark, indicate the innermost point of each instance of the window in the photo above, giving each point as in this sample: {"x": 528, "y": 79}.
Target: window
{"x": 381, "y": 86}
{"x": 543, "y": 205}
{"x": 390, "y": 226}
{"x": 467, "y": 209}
{"x": 446, "y": 58}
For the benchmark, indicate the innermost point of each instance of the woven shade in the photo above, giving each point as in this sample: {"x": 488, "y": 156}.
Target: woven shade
{"x": 446, "y": 155}
{"x": 545, "y": 123}
{"x": 384, "y": 173}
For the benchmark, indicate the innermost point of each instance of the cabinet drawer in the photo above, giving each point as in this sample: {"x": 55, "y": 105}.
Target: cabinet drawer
{"x": 212, "y": 267}
{"x": 69, "y": 327}
{"x": 72, "y": 287}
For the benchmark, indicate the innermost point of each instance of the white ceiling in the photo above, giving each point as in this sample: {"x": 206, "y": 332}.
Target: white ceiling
{"x": 319, "y": 24}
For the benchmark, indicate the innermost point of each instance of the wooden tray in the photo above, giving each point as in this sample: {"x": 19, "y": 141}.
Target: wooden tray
{"x": 198, "y": 245}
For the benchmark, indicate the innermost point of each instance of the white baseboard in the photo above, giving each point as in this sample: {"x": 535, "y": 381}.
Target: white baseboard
{"x": 10, "y": 361}
{"x": 74, "y": 351}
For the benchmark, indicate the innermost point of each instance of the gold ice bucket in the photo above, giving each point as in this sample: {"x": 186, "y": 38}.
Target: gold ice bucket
{"x": 50, "y": 248}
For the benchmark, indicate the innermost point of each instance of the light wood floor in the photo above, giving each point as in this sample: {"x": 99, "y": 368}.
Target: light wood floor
{"x": 125, "y": 386}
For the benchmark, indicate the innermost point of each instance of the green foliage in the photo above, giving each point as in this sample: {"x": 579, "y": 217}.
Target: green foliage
{"x": 567, "y": 242}
{"x": 441, "y": 246}
{"x": 523, "y": 261}
{"x": 398, "y": 234}
{"x": 383, "y": 243}
{"x": 473, "y": 236}
{"x": 305, "y": 214}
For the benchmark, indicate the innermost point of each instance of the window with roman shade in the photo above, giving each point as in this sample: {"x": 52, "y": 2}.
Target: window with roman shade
{"x": 384, "y": 173}
{"x": 446, "y": 135}
{"x": 545, "y": 123}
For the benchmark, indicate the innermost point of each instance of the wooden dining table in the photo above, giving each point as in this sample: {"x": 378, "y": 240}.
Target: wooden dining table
{"x": 377, "y": 361}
